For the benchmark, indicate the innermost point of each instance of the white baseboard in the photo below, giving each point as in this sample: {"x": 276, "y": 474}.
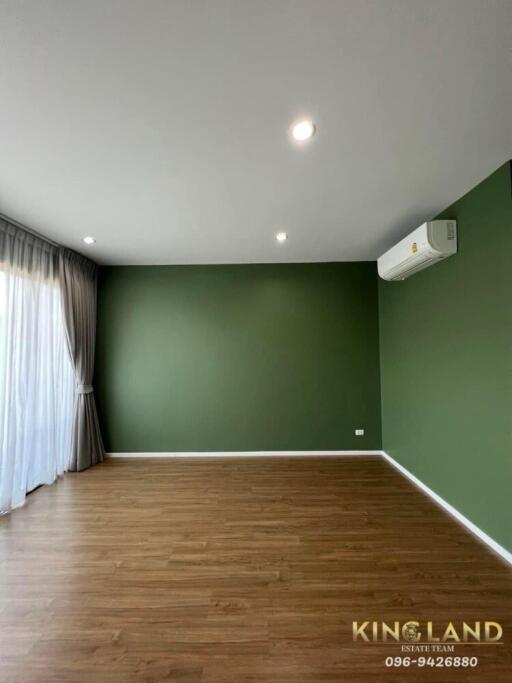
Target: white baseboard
{"x": 500, "y": 550}
{"x": 243, "y": 454}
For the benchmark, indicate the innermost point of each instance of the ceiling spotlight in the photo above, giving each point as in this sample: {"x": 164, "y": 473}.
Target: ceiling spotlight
{"x": 281, "y": 236}
{"x": 303, "y": 130}
{"x": 89, "y": 240}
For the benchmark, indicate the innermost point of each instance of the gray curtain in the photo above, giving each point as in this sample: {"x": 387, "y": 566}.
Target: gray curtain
{"x": 78, "y": 285}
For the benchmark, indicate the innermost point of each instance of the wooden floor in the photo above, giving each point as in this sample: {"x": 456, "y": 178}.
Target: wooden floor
{"x": 233, "y": 570}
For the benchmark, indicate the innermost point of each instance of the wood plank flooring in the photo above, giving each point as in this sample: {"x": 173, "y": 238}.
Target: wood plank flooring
{"x": 233, "y": 570}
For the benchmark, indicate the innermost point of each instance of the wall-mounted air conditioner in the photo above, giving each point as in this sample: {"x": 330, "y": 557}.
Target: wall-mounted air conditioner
{"x": 428, "y": 244}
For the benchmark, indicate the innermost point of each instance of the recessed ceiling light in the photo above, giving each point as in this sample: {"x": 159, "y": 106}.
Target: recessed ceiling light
{"x": 303, "y": 130}
{"x": 281, "y": 236}
{"x": 89, "y": 240}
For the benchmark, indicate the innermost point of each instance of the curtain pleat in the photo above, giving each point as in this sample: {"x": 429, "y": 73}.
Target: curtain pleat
{"x": 78, "y": 287}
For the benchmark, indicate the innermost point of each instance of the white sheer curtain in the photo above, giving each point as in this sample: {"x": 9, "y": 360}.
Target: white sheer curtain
{"x": 37, "y": 383}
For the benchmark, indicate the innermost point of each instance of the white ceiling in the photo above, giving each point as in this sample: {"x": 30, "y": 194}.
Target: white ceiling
{"x": 160, "y": 127}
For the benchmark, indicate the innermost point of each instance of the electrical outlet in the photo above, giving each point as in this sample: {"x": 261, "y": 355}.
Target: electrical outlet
{"x": 359, "y": 432}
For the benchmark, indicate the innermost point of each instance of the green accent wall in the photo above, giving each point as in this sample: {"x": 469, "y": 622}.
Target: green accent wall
{"x": 238, "y": 357}
{"x": 446, "y": 364}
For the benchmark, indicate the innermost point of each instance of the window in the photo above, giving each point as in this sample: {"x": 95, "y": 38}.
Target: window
{"x": 36, "y": 377}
